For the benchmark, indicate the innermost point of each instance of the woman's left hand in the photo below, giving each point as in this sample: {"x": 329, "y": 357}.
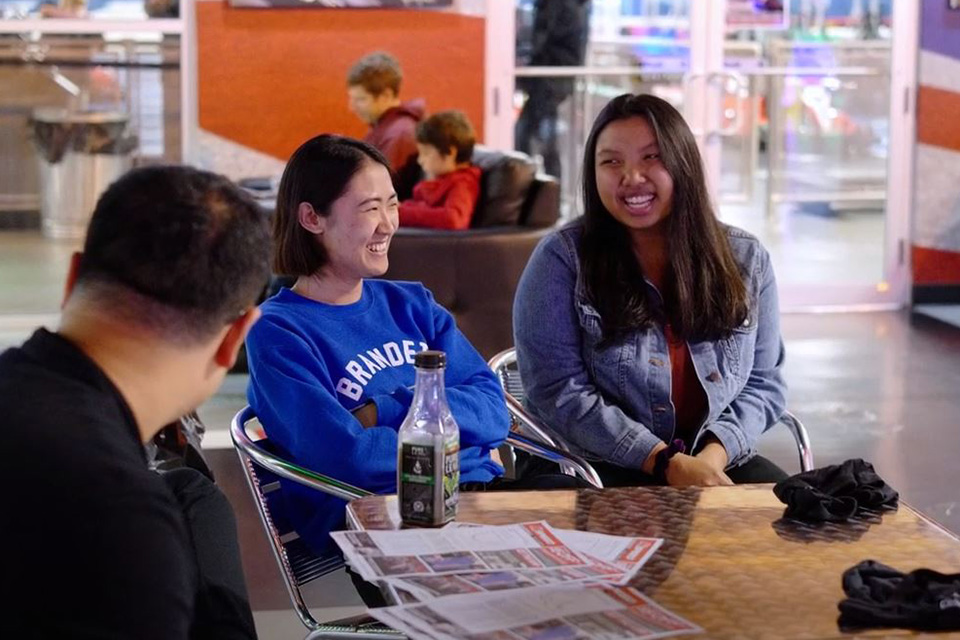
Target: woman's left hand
{"x": 714, "y": 454}
{"x": 694, "y": 471}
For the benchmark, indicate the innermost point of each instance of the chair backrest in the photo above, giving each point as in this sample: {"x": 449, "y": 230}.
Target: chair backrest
{"x": 504, "y": 364}
{"x": 263, "y": 469}
{"x": 547, "y": 444}
{"x": 472, "y": 273}
{"x": 512, "y": 193}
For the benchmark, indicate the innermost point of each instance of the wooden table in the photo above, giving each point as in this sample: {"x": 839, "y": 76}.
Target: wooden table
{"x": 729, "y": 562}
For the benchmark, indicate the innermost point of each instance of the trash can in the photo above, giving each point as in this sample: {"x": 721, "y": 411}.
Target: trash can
{"x": 79, "y": 153}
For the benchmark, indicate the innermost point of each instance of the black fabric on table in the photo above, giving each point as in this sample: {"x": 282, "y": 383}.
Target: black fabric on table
{"x": 880, "y": 596}
{"x": 835, "y": 493}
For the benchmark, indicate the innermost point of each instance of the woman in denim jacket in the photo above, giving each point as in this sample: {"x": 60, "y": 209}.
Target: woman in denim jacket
{"x": 648, "y": 332}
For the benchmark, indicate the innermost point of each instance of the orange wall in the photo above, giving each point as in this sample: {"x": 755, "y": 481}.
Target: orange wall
{"x": 271, "y": 78}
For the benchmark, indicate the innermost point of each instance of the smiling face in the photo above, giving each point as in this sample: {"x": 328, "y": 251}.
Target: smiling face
{"x": 357, "y": 233}
{"x": 633, "y": 184}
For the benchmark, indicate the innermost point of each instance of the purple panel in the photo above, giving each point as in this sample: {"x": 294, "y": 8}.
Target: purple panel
{"x": 940, "y": 28}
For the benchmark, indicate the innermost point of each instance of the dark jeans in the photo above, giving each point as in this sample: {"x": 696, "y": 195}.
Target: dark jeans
{"x": 222, "y": 606}
{"x": 755, "y": 471}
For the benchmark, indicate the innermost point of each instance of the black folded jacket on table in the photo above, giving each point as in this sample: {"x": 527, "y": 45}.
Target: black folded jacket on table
{"x": 880, "y": 596}
{"x": 835, "y": 493}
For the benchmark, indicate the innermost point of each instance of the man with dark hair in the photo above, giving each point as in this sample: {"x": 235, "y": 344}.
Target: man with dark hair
{"x": 373, "y": 88}
{"x": 156, "y": 308}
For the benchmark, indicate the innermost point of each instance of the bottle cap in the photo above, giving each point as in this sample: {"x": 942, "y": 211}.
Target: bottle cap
{"x": 430, "y": 360}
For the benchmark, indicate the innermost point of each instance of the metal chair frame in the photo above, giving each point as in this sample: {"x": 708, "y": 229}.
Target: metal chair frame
{"x": 298, "y": 564}
{"x": 504, "y": 365}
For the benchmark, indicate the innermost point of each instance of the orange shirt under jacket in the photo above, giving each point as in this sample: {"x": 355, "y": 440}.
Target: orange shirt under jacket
{"x": 445, "y": 202}
{"x": 686, "y": 392}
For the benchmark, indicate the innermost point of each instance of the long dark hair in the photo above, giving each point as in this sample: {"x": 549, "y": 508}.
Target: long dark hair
{"x": 704, "y": 294}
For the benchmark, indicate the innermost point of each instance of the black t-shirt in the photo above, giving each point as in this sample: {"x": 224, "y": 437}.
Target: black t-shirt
{"x": 93, "y": 543}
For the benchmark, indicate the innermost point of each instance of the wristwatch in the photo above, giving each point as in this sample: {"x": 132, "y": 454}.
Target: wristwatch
{"x": 662, "y": 460}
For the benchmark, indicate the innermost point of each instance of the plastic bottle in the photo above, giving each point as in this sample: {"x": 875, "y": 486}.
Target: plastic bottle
{"x": 428, "y": 450}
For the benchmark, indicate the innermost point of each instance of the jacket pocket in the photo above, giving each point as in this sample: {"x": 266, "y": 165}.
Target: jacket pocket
{"x": 602, "y": 359}
{"x": 738, "y": 348}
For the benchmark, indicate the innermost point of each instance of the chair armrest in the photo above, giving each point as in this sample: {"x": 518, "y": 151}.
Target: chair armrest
{"x": 800, "y": 434}
{"x": 528, "y": 425}
{"x": 286, "y": 469}
{"x": 563, "y": 458}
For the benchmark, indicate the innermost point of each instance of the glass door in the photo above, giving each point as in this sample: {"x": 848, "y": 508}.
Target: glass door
{"x": 810, "y": 149}
{"x": 803, "y": 114}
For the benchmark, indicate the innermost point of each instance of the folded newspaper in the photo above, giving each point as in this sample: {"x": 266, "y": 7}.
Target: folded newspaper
{"x": 438, "y": 571}
{"x": 598, "y": 612}
{"x": 376, "y": 555}
{"x": 532, "y": 552}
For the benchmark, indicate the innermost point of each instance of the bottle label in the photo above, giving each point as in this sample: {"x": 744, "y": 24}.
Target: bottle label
{"x": 417, "y": 483}
{"x": 451, "y": 480}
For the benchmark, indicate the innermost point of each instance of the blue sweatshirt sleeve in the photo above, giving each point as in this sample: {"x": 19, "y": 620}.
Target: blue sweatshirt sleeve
{"x": 473, "y": 391}
{"x": 294, "y": 396}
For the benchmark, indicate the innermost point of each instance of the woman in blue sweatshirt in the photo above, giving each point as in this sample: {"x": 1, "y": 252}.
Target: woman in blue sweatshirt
{"x": 331, "y": 359}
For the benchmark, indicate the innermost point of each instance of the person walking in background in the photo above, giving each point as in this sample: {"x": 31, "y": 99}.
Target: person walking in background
{"x": 559, "y": 38}
{"x": 373, "y": 89}
{"x": 447, "y": 197}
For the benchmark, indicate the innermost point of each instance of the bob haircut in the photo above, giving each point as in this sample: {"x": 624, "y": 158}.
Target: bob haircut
{"x": 318, "y": 173}
{"x": 704, "y": 294}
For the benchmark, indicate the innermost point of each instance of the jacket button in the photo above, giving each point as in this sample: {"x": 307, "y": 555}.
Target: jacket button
{"x": 714, "y": 377}
{"x": 657, "y": 362}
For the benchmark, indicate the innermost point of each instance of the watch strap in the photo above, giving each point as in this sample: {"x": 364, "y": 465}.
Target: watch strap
{"x": 662, "y": 460}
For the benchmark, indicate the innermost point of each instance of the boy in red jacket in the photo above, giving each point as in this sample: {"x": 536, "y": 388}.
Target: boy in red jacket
{"x": 446, "y": 199}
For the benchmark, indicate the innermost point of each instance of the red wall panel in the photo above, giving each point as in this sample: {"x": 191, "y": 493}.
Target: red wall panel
{"x": 271, "y": 78}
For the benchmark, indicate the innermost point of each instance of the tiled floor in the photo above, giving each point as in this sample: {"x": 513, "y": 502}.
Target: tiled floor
{"x": 882, "y": 386}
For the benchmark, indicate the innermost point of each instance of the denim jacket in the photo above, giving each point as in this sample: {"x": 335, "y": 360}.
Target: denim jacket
{"x": 612, "y": 402}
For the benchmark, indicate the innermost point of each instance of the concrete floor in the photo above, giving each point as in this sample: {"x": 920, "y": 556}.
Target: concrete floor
{"x": 881, "y": 386}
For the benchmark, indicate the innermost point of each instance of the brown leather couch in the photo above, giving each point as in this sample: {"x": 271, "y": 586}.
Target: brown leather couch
{"x": 474, "y": 273}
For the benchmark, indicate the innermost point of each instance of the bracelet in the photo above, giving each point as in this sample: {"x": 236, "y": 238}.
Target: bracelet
{"x": 662, "y": 460}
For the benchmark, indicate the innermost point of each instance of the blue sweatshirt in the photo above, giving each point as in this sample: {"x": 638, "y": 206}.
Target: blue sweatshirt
{"x": 312, "y": 363}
